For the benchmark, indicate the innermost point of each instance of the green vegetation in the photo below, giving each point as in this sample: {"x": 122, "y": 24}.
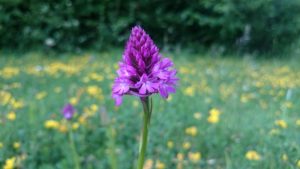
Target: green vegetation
{"x": 229, "y": 113}
{"x": 259, "y": 25}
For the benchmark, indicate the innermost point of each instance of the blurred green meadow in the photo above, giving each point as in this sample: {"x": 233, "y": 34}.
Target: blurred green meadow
{"x": 227, "y": 113}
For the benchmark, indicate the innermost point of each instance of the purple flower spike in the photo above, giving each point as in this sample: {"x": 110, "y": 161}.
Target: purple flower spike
{"x": 68, "y": 111}
{"x": 143, "y": 71}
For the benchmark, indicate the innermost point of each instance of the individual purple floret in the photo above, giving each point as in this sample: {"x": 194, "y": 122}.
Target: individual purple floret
{"x": 68, "y": 111}
{"x": 143, "y": 71}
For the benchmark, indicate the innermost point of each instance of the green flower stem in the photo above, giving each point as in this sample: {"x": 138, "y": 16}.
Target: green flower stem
{"x": 143, "y": 142}
{"x": 73, "y": 148}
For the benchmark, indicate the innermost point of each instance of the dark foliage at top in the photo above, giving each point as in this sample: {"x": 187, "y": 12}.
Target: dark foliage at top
{"x": 258, "y": 25}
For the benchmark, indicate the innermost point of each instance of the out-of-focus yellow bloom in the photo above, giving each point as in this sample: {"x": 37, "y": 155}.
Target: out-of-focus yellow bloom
{"x": 5, "y": 97}
{"x": 298, "y": 122}
{"x": 73, "y": 100}
{"x": 9, "y": 163}
{"x": 1, "y": 145}
{"x": 51, "y": 124}
{"x": 252, "y": 155}
{"x": 16, "y": 104}
{"x": 263, "y": 104}
{"x": 169, "y": 98}
{"x": 75, "y": 126}
{"x": 186, "y": 145}
{"x": 197, "y": 115}
{"x": 97, "y": 77}
{"x": 298, "y": 164}
{"x": 135, "y": 103}
{"x": 284, "y": 157}
{"x": 214, "y": 112}
{"x": 189, "y": 91}
{"x": 94, "y": 107}
{"x": 192, "y": 131}
{"x": 214, "y": 116}
{"x": 180, "y": 157}
{"x": 11, "y": 116}
{"x": 86, "y": 79}
{"x": 82, "y": 119}
{"x": 57, "y": 89}
{"x": 288, "y": 105}
{"x": 17, "y": 145}
{"x": 148, "y": 164}
{"x": 194, "y": 157}
{"x": 184, "y": 70}
{"x": 274, "y": 132}
{"x": 281, "y": 123}
{"x": 159, "y": 165}
{"x": 94, "y": 90}
{"x": 41, "y": 95}
{"x": 9, "y": 72}
{"x": 213, "y": 119}
{"x": 63, "y": 128}
{"x": 170, "y": 144}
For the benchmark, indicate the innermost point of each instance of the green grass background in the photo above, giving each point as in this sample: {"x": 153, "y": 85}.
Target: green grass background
{"x": 251, "y": 95}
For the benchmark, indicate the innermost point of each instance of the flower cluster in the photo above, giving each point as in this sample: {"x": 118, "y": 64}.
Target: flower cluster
{"x": 143, "y": 71}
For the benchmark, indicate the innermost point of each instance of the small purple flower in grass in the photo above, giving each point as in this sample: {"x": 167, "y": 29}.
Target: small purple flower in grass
{"x": 68, "y": 111}
{"x": 143, "y": 71}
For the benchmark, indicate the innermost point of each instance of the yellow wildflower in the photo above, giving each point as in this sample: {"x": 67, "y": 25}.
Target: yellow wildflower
{"x": 94, "y": 90}
{"x": 213, "y": 119}
{"x": 41, "y": 95}
{"x": 189, "y": 91}
{"x": 9, "y": 163}
{"x": 16, "y": 104}
{"x": 82, "y": 119}
{"x": 63, "y": 128}
{"x": 97, "y": 77}
{"x": 298, "y": 122}
{"x": 284, "y": 157}
{"x": 57, "y": 89}
{"x": 192, "y": 131}
{"x": 298, "y": 164}
{"x": 214, "y": 116}
{"x": 169, "y": 99}
{"x": 180, "y": 156}
{"x": 51, "y": 124}
{"x": 194, "y": 157}
{"x": 75, "y": 126}
{"x": 159, "y": 165}
{"x": 11, "y": 116}
{"x": 186, "y": 145}
{"x": 252, "y": 155}
{"x": 170, "y": 144}
{"x": 17, "y": 145}
{"x": 5, "y": 97}
{"x": 148, "y": 164}
{"x": 9, "y": 72}
{"x": 281, "y": 123}
{"x": 135, "y": 103}
{"x": 288, "y": 105}
{"x": 214, "y": 112}
{"x": 73, "y": 100}
{"x": 94, "y": 107}
{"x": 197, "y": 115}
{"x": 274, "y": 132}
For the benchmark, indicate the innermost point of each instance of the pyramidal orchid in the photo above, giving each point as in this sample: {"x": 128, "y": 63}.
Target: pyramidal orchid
{"x": 143, "y": 72}
{"x": 68, "y": 111}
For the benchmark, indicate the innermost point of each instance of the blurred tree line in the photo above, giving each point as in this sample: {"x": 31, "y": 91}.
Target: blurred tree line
{"x": 257, "y": 25}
